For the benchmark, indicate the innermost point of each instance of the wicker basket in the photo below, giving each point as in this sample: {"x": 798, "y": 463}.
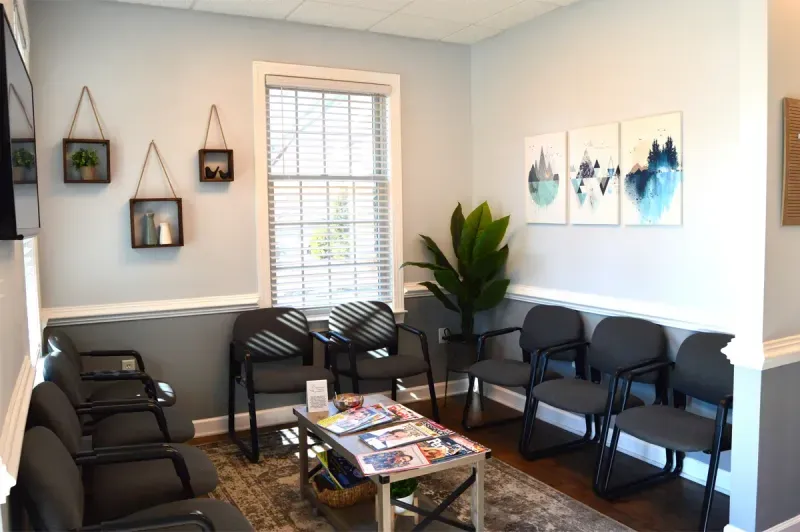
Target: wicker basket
{"x": 346, "y": 497}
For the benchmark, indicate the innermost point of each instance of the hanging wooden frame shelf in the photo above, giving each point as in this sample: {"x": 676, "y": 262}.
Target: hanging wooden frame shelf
{"x": 216, "y": 165}
{"x": 86, "y": 160}
{"x": 156, "y": 222}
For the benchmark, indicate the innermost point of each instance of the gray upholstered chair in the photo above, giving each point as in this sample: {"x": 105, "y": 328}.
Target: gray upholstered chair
{"x": 700, "y": 371}
{"x": 115, "y": 385}
{"x": 122, "y": 422}
{"x": 127, "y": 479}
{"x": 50, "y": 489}
{"x": 545, "y": 327}
{"x": 368, "y": 347}
{"x": 264, "y": 344}
{"x": 618, "y": 344}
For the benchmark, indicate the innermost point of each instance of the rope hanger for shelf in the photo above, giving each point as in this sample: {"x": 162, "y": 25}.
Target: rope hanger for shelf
{"x": 13, "y": 90}
{"x": 163, "y": 168}
{"x": 86, "y": 91}
{"x": 208, "y": 126}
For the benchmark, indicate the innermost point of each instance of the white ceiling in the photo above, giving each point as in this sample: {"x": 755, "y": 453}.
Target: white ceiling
{"x": 456, "y": 21}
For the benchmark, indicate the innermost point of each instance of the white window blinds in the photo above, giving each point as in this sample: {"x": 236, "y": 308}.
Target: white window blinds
{"x": 329, "y": 205}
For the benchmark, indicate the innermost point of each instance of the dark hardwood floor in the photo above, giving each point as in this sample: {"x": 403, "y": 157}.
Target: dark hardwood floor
{"x": 674, "y": 506}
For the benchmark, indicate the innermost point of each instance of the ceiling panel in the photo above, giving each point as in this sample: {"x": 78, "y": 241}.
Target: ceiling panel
{"x": 418, "y": 27}
{"x": 389, "y": 6}
{"x": 355, "y": 18}
{"x": 249, "y": 8}
{"x": 471, "y": 35}
{"x": 518, "y": 13}
{"x": 465, "y": 11}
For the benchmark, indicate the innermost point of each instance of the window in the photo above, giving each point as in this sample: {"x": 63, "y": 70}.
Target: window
{"x": 332, "y": 190}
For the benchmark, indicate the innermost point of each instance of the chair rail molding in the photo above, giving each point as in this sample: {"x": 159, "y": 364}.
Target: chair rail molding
{"x": 14, "y": 427}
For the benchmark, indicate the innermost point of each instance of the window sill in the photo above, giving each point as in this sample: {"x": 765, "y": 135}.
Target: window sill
{"x": 318, "y": 321}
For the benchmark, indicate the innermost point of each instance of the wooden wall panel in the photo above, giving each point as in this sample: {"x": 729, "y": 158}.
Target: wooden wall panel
{"x": 791, "y": 162}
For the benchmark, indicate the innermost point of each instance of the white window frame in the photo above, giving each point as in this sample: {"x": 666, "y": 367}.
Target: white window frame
{"x": 334, "y": 78}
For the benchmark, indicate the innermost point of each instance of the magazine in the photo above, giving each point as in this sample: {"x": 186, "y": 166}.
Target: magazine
{"x": 395, "y": 436}
{"x": 433, "y": 428}
{"x": 339, "y": 471}
{"x": 402, "y": 412}
{"x": 444, "y": 448}
{"x": 392, "y": 460}
{"x": 473, "y": 446}
{"x": 353, "y": 420}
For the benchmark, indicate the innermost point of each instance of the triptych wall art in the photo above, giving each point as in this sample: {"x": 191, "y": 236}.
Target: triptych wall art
{"x": 635, "y": 167}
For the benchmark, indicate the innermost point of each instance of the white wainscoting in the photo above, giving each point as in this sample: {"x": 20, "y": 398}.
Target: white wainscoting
{"x": 14, "y": 427}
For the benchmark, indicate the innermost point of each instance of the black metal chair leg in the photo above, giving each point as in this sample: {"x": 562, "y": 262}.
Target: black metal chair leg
{"x": 432, "y": 390}
{"x": 251, "y": 402}
{"x": 231, "y": 397}
{"x": 480, "y": 393}
{"x": 467, "y": 404}
{"x": 597, "y": 428}
{"x": 252, "y": 452}
{"x": 354, "y": 381}
{"x": 394, "y": 389}
{"x": 711, "y": 481}
{"x": 612, "y": 453}
{"x": 446, "y": 381}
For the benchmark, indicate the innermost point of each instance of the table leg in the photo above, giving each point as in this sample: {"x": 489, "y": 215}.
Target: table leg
{"x": 385, "y": 509}
{"x": 476, "y": 506}
{"x": 302, "y": 438}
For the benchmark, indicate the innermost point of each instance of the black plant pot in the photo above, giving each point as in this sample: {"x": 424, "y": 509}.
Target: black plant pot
{"x": 462, "y": 351}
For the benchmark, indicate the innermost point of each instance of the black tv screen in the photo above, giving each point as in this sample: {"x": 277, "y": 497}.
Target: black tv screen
{"x": 19, "y": 188}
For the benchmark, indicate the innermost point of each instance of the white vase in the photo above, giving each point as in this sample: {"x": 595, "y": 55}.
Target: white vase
{"x": 164, "y": 234}
{"x": 408, "y": 499}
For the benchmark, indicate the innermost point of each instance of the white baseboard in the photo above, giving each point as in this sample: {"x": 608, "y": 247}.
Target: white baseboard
{"x": 790, "y": 525}
{"x": 731, "y": 528}
{"x": 281, "y": 415}
{"x": 693, "y": 469}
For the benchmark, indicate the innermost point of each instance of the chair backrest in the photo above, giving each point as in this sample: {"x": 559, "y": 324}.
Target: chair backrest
{"x": 701, "y": 369}
{"x": 550, "y": 325}
{"x": 622, "y": 341}
{"x": 58, "y": 340}
{"x": 369, "y": 324}
{"x": 50, "y": 408}
{"x": 50, "y": 482}
{"x": 58, "y": 368}
{"x": 275, "y": 333}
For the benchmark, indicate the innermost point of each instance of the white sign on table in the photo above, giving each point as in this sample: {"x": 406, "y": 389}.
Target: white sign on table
{"x": 317, "y": 396}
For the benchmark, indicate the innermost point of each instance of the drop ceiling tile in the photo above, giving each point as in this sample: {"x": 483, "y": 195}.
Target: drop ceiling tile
{"x": 464, "y": 11}
{"x": 563, "y": 2}
{"x": 388, "y": 6}
{"x": 249, "y": 8}
{"x": 180, "y": 4}
{"x": 418, "y": 27}
{"x": 518, "y": 14}
{"x": 339, "y": 16}
{"x": 471, "y": 35}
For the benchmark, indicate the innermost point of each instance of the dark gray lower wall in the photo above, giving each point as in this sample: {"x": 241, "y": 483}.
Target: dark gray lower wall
{"x": 191, "y": 353}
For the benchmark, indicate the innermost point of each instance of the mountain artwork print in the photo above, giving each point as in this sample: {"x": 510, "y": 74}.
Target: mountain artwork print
{"x": 652, "y": 149}
{"x": 594, "y": 175}
{"x": 546, "y": 170}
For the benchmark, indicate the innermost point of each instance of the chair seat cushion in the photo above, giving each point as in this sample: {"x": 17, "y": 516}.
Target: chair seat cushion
{"x": 129, "y": 389}
{"x": 672, "y": 428}
{"x": 117, "y": 490}
{"x": 580, "y": 396}
{"x": 223, "y": 515}
{"x": 276, "y": 378}
{"x": 382, "y": 367}
{"x": 510, "y": 373}
{"x": 141, "y": 427}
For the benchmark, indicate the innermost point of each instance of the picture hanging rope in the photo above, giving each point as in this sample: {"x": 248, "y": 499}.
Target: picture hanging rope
{"x": 163, "y": 168}
{"x": 86, "y": 91}
{"x": 208, "y": 126}
{"x": 13, "y": 90}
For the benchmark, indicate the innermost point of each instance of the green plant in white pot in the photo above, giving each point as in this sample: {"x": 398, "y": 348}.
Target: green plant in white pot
{"x": 22, "y": 161}
{"x": 86, "y": 161}
{"x": 475, "y": 283}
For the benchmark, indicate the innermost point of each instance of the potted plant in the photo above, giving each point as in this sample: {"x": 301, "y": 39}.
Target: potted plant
{"x": 475, "y": 283}
{"x": 403, "y": 490}
{"x": 22, "y": 161}
{"x": 85, "y": 161}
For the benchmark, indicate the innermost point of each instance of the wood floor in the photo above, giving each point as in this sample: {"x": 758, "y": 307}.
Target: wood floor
{"x": 674, "y": 506}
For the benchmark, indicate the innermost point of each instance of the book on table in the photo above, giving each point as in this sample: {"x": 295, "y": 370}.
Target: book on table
{"x": 449, "y": 447}
{"x": 392, "y": 460}
{"x": 402, "y": 412}
{"x": 403, "y": 434}
{"x": 355, "y": 419}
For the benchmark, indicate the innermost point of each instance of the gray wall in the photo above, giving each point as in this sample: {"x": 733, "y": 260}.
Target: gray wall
{"x": 191, "y": 353}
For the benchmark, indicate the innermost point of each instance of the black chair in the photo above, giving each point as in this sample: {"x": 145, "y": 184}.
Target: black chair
{"x": 619, "y": 344}
{"x": 275, "y": 335}
{"x": 126, "y": 479}
{"x": 122, "y": 422}
{"x": 111, "y": 389}
{"x": 50, "y": 489}
{"x": 545, "y": 327}
{"x": 367, "y": 336}
{"x": 701, "y": 371}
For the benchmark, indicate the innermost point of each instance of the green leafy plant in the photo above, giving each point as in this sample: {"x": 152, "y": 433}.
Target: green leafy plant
{"x": 23, "y": 158}
{"x": 84, "y": 157}
{"x": 403, "y": 488}
{"x": 474, "y": 282}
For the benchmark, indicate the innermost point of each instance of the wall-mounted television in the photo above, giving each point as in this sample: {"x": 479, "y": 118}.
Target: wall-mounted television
{"x": 19, "y": 182}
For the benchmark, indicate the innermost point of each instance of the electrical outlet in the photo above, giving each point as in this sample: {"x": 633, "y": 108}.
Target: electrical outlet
{"x": 129, "y": 364}
{"x": 444, "y": 331}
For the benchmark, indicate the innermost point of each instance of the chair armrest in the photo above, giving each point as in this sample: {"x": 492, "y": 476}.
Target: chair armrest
{"x": 491, "y": 334}
{"x": 344, "y": 341}
{"x": 656, "y": 366}
{"x": 544, "y": 355}
{"x": 195, "y": 519}
{"x": 116, "y": 375}
{"x": 321, "y": 337}
{"x": 143, "y": 453}
{"x": 727, "y": 401}
{"x": 561, "y": 348}
{"x": 128, "y": 406}
{"x": 638, "y": 365}
{"x": 117, "y": 353}
{"x": 340, "y": 337}
{"x": 423, "y": 340}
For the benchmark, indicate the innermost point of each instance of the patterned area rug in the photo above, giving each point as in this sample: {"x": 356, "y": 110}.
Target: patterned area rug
{"x": 267, "y": 492}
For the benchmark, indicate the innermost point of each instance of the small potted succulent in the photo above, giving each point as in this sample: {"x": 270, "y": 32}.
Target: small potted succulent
{"x": 86, "y": 161}
{"x": 403, "y": 490}
{"x": 22, "y": 161}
